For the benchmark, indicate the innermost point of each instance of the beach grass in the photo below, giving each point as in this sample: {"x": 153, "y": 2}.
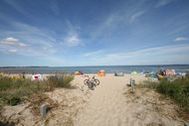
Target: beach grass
{"x": 178, "y": 90}
{"x": 60, "y": 80}
{"x": 15, "y": 90}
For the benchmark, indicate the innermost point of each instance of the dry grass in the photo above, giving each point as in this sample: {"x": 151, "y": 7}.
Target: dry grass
{"x": 15, "y": 90}
{"x": 60, "y": 80}
{"x": 37, "y": 100}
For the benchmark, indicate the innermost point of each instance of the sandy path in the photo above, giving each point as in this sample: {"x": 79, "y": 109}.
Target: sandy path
{"x": 108, "y": 106}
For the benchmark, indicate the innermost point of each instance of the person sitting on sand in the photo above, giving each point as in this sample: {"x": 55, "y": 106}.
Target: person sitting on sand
{"x": 161, "y": 74}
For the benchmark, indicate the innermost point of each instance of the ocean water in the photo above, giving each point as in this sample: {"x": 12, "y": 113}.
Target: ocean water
{"x": 95, "y": 69}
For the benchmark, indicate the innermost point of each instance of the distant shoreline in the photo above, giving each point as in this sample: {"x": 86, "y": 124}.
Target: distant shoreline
{"x": 94, "y": 69}
{"x": 92, "y": 66}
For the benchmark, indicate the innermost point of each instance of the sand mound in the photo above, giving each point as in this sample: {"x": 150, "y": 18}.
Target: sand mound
{"x": 64, "y": 105}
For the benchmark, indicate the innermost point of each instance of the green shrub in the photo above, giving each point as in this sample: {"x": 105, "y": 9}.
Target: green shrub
{"x": 148, "y": 84}
{"x": 14, "y": 90}
{"x": 5, "y": 83}
{"x": 178, "y": 90}
{"x": 60, "y": 80}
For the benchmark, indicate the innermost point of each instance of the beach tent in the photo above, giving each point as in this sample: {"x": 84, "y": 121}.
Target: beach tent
{"x": 36, "y": 77}
{"x": 101, "y": 73}
{"x": 170, "y": 72}
{"x": 166, "y": 73}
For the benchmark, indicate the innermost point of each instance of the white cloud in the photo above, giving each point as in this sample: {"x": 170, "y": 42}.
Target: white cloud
{"x": 40, "y": 42}
{"x": 136, "y": 15}
{"x": 122, "y": 17}
{"x": 108, "y": 25}
{"x": 11, "y": 41}
{"x": 181, "y": 39}
{"x": 94, "y": 53}
{"x": 12, "y": 50}
{"x": 18, "y": 7}
{"x": 161, "y": 3}
{"x": 32, "y": 34}
{"x": 157, "y": 55}
{"x": 72, "y": 40}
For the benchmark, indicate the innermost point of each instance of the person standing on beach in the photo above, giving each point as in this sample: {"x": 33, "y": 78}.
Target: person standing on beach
{"x": 23, "y": 75}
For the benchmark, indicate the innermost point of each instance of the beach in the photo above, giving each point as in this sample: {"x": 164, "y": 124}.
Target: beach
{"x": 94, "y": 63}
{"x": 110, "y": 104}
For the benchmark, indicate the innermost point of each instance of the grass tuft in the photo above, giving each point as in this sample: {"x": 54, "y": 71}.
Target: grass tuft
{"x": 60, "y": 80}
{"x": 15, "y": 90}
{"x": 178, "y": 90}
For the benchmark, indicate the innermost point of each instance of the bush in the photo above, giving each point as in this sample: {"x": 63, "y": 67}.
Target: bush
{"x": 60, "y": 80}
{"x": 14, "y": 90}
{"x": 178, "y": 90}
{"x": 148, "y": 84}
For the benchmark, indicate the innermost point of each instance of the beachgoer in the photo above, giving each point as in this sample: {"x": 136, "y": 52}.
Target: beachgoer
{"x": 23, "y": 75}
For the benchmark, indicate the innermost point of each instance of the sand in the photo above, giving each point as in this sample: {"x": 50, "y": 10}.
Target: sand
{"x": 110, "y": 104}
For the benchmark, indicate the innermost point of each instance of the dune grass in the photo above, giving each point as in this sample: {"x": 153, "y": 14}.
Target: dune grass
{"x": 60, "y": 80}
{"x": 178, "y": 90}
{"x": 15, "y": 90}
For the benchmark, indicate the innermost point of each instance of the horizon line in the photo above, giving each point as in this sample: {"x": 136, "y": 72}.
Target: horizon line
{"x": 94, "y": 65}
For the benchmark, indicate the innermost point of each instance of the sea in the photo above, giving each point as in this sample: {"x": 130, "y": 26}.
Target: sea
{"x": 95, "y": 69}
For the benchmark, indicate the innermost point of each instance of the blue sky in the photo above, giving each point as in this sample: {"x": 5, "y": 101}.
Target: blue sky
{"x": 93, "y": 32}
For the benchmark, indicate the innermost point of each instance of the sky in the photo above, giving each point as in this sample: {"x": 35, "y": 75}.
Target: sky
{"x": 93, "y": 32}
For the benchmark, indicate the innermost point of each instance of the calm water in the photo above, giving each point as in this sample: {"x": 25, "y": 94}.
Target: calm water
{"x": 94, "y": 69}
